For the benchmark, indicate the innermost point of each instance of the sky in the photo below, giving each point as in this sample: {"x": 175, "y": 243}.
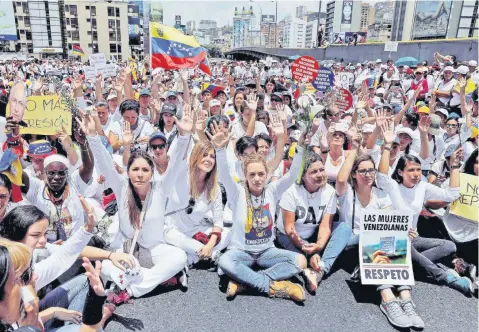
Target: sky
{"x": 223, "y": 11}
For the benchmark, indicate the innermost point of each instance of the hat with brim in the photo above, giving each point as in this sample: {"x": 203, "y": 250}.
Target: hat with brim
{"x": 407, "y": 131}
{"x": 40, "y": 149}
{"x": 443, "y": 111}
{"x": 435, "y": 126}
{"x": 168, "y": 108}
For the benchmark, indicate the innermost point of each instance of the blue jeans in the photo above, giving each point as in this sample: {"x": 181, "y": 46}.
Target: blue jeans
{"x": 341, "y": 232}
{"x": 279, "y": 264}
{"x": 70, "y": 295}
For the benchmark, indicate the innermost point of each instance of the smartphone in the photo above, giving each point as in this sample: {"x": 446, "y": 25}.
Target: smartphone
{"x": 341, "y": 126}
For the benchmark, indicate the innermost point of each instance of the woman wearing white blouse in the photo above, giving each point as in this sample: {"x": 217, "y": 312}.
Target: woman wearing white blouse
{"x": 197, "y": 193}
{"x": 141, "y": 208}
{"x": 407, "y": 190}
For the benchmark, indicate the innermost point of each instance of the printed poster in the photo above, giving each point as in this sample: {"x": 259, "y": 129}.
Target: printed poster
{"x": 385, "y": 248}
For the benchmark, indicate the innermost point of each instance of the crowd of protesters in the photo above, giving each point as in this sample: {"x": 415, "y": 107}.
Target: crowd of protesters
{"x": 169, "y": 170}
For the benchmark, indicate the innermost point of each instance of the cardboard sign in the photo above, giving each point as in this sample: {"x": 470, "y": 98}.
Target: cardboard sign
{"x": 385, "y": 248}
{"x": 90, "y": 73}
{"x": 305, "y": 68}
{"x": 346, "y": 79}
{"x": 45, "y": 115}
{"x": 97, "y": 60}
{"x": 391, "y": 46}
{"x": 467, "y": 205}
{"x": 325, "y": 79}
{"x": 344, "y": 100}
{"x": 107, "y": 70}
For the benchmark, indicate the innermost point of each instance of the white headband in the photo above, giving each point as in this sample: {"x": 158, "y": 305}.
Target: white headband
{"x": 56, "y": 158}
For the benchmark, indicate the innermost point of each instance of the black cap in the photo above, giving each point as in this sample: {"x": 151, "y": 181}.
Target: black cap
{"x": 169, "y": 108}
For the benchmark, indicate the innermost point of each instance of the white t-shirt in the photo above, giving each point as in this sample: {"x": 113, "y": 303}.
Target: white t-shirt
{"x": 446, "y": 87}
{"x": 308, "y": 208}
{"x": 380, "y": 200}
{"x": 238, "y": 131}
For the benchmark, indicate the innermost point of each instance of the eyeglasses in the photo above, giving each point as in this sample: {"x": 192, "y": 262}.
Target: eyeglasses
{"x": 365, "y": 171}
{"x": 191, "y": 205}
{"x": 451, "y": 126}
{"x": 332, "y": 114}
{"x": 276, "y": 100}
{"x": 158, "y": 146}
{"x": 61, "y": 173}
{"x": 26, "y": 276}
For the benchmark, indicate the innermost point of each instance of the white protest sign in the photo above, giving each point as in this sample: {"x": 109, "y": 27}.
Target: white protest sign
{"x": 346, "y": 79}
{"x": 391, "y": 46}
{"x": 97, "y": 60}
{"x": 385, "y": 248}
{"x": 108, "y": 70}
{"x": 90, "y": 73}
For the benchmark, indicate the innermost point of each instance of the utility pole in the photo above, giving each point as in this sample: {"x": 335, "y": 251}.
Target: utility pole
{"x": 319, "y": 23}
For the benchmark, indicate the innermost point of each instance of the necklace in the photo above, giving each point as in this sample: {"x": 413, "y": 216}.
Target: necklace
{"x": 162, "y": 168}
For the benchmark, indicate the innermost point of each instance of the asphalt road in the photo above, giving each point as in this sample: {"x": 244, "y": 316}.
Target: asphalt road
{"x": 337, "y": 306}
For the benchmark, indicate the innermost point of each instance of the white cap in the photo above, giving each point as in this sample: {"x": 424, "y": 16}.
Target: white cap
{"x": 463, "y": 70}
{"x": 378, "y": 61}
{"x": 450, "y": 68}
{"x": 368, "y": 128}
{"x": 405, "y": 130}
{"x": 395, "y": 77}
{"x": 358, "y": 65}
{"x": 406, "y": 67}
{"x": 380, "y": 90}
{"x": 384, "y": 67}
{"x": 442, "y": 111}
{"x": 472, "y": 63}
{"x": 214, "y": 102}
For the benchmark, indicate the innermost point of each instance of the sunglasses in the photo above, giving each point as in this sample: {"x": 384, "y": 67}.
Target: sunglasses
{"x": 61, "y": 173}
{"x": 276, "y": 100}
{"x": 451, "y": 126}
{"x": 191, "y": 205}
{"x": 26, "y": 276}
{"x": 332, "y": 114}
{"x": 158, "y": 146}
{"x": 365, "y": 171}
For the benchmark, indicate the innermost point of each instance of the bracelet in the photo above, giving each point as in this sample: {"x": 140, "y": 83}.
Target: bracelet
{"x": 455, "y": 166}
{"x": 325, "y": 151}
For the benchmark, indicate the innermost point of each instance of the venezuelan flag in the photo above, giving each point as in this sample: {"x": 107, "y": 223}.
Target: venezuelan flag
{"x": 205, "y": 66}
{"x": 171, "y": 49}
{"x": 77, "y": 50}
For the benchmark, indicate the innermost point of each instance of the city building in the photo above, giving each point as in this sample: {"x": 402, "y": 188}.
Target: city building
{"x": 178, "y": 24}
{"x": 419, "y": 20}
{"x": 329, "y": 26}
{"x": 365, "y": 10}
{"x": 380, "y": 29}
{"x": 301, "y": 11}
{"x": 190, "y": 27}
{"x": 98, "y": 27}
{"x": 243, "y": 22}
{"x": 268, "y": 30}
{"x": 294, "y": 32}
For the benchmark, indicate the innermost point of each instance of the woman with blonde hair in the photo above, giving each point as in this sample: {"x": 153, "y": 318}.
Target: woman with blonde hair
{"x": 195, "y": 208}
{"x": 253, "y": 204}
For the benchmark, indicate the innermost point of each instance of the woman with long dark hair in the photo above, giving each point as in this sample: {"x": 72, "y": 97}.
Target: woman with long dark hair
{"x": 141, "y": 206}
{"x": 196, "y": 194}
{"x": 407, "y": 190}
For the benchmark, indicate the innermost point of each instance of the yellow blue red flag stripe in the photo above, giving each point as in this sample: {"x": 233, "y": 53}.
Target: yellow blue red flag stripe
{"x": 171, "y": 49}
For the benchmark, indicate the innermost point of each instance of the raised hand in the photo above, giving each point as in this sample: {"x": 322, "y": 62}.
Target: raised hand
{"x": 469, "y": 106}
{"x": 38, "y": 85}
{"x": 388, "y": 132}
{"x": 201, "y": 116}
{"x": 155, "y": 104}
{"x": 462, "y": 83}
{"x": 93, "y": 275}
{"x": 424, "y": 124}
{"x": 219, "y": 139}
{"x": 90, "y": 217}
{"x": 457, "y": 156}
{"x": 184, "y": 74}
{"x": 352, "y": 132}
{"x": 281, "y": 109}
{"x": 86, "y": 123}
{"x": 127, "y": 134}
{"x": 381, "y": 117}
{"x": 99, "y": 77}
{"x": 252, "y": 102}
{"x": 276, "y": 124}
{"x": 64, "y": 138}
{"x": 77, "y": 83}
{"x": 185, "y": 125}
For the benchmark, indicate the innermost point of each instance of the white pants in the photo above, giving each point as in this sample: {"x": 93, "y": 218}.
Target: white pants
{"x": 181, "y": 240}
{"x": 168, "y": 260}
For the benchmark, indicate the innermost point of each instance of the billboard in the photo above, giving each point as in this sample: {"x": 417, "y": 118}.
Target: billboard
{"x": 360, "y": 38}
{"x": 431, "y": 19}
{"x": 156, "y": 12}
{"x": 346, "y": 14}
{"x": 8, "y": 29}
{"x": 134, "y": 30}
{"x": 267, "y": 19}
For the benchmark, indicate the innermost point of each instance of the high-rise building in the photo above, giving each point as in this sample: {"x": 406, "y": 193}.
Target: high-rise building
{"x": 294, "y": 32}
{"x": 243, "y": 21}
{"x": 301, "y": 11}
{"x": 268, "y": 30}
{"x": 190, "y": 27}
{"x": 329, "y": 27}
{"x": 365, "y": 9}
{"x": 381, "y": 28}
